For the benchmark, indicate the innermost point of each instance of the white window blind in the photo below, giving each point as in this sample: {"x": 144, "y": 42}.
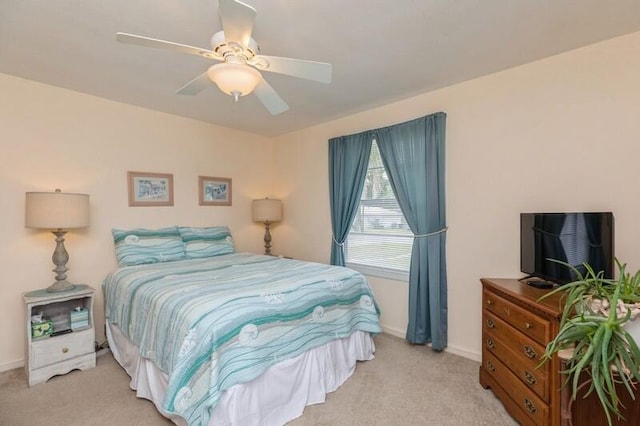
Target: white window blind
{"x": 379, "y": 237}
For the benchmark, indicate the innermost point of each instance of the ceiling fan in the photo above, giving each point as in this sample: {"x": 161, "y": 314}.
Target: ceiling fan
{"x": 238, "y": 74}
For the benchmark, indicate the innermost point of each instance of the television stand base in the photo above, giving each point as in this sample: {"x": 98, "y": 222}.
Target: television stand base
{"x": 540, "y": 284}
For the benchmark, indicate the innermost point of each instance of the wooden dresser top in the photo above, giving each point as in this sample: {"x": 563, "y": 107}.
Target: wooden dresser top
{"x": 518, "y": 291}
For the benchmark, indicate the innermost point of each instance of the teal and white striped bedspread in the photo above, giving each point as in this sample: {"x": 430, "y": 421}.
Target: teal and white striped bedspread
{"x": 216, "y": 322}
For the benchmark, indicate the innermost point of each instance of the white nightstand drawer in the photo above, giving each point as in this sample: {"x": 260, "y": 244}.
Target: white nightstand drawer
{"x": 60, "y": 348}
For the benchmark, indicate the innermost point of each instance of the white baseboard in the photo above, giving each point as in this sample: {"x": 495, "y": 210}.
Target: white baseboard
{"x": 393, "y": 331}
{"x": 11, "y": 365}
{"x": 474, "y": 356}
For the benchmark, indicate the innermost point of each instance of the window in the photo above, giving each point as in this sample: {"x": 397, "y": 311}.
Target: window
{"x": 379, "y": 238}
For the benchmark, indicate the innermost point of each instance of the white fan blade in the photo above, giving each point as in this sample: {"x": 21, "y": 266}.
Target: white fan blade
{"x": 162, "y": 44}
{"x": 309, "y": 70}
{"x": 196, "y": 85}
{"x": 237, "y": 21}
{"x": 270, "y": 98}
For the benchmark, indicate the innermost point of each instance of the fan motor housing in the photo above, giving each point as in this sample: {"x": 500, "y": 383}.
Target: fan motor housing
{"x": 225, "y": 49}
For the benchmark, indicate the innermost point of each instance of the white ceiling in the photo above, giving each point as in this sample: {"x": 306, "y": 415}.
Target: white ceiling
{"x": 381, "y": 50}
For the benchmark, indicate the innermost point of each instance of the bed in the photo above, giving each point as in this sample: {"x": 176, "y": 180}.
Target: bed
{"x": 237, "y": 338}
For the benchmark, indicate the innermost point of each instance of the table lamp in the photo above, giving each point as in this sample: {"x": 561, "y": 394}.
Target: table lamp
{"x": 57, "y": 211}
{"x": 266, "y": 210}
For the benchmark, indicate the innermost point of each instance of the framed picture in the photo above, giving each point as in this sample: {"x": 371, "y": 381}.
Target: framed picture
{"x": 214, "y": 191}
{"x": 150, "y": 189}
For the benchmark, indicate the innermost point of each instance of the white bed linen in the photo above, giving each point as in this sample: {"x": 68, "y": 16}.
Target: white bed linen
{"x": 274, "y": 398}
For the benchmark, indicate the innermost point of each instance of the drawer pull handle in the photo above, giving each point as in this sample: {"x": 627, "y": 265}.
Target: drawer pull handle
{"x": 529, "y": 378}
{"x": 530, "y": 352}
{"x": 491, "y": 323}
{"x": 528, "y": 325}
{"x": 490, "y": 366}
{"x": 491, "y": 344}
{"x": 65, "y": 350}
{"x": 529, "y": 406}
{"x": 489, "y": 302}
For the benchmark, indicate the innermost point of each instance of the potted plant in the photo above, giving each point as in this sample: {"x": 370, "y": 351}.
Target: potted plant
{"x": 594, "y": 325}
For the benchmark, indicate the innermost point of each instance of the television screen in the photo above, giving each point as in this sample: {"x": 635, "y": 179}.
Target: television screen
{"x": 573, "y": 238}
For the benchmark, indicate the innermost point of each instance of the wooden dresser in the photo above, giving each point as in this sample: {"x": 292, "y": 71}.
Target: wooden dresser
{"x": 516, "y": 328}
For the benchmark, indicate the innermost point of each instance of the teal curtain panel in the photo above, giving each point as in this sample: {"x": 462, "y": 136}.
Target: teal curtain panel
{"x": 348, "y": 160}
{"x": 413, "y": 156}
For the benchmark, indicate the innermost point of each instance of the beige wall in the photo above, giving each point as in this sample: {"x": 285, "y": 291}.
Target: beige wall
{"x": 561, "y": 134}
{"x": 55, "y": 138}
{"x": 558, "y": 134}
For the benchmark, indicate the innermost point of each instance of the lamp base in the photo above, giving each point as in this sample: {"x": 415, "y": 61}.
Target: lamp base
{"x": 60, "y": 258}
{"x": 267, "y": 238}
{"x": 60, "y": 286}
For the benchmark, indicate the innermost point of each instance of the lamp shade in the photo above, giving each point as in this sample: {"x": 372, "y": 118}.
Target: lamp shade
{"x": 56, "y": 210}
{"x": 266, "y": 210}
{"x": 234, "y": 79}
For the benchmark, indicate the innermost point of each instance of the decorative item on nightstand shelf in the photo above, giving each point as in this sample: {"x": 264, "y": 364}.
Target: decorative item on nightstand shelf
{"x": 40, "y": 326}
{"x": 57, "y": 211}
{"x": 266, "y": 210}
{"x": 79, "y": 318}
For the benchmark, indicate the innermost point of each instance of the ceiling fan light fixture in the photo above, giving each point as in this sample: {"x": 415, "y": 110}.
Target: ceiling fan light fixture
{"x": 234, "y": 79}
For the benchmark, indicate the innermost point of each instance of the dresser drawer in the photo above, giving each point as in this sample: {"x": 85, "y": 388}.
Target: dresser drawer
{"x": 527, "y": 322}
{"x": 60, "y": 348}
{"x": 529, "y": 352}
{"x": 523, "y": 368}
{"x": 516, "y": 327}
{"x": 525, "y": 398}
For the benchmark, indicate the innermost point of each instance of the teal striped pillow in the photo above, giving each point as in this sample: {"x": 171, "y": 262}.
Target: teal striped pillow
{"x": 206, "y": 242}
{"x": 138, "y": 246}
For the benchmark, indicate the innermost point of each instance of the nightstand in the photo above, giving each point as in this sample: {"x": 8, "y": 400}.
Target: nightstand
{"x": 69, "y": 347}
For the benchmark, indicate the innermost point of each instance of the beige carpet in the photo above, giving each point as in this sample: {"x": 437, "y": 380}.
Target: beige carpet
{"x": 404, "y": 385}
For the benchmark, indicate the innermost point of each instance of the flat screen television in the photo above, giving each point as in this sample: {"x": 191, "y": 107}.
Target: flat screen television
{"x": 574, "y": 238}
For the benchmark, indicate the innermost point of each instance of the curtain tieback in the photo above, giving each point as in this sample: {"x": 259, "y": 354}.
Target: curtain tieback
{"x": 336, "y": 241}
{"x": 431, "y": 234}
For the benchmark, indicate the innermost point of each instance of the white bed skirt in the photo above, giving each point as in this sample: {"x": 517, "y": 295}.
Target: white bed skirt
{"x": 276, "y": 397}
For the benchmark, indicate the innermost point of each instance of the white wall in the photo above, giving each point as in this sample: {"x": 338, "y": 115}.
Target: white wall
{"x": 55, "y": 138}
{"x": 561, "y": 134}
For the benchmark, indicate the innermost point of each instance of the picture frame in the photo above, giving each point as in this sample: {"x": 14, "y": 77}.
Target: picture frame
{"x": 214, "y": 191}
{"x": 150, "y": 189}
